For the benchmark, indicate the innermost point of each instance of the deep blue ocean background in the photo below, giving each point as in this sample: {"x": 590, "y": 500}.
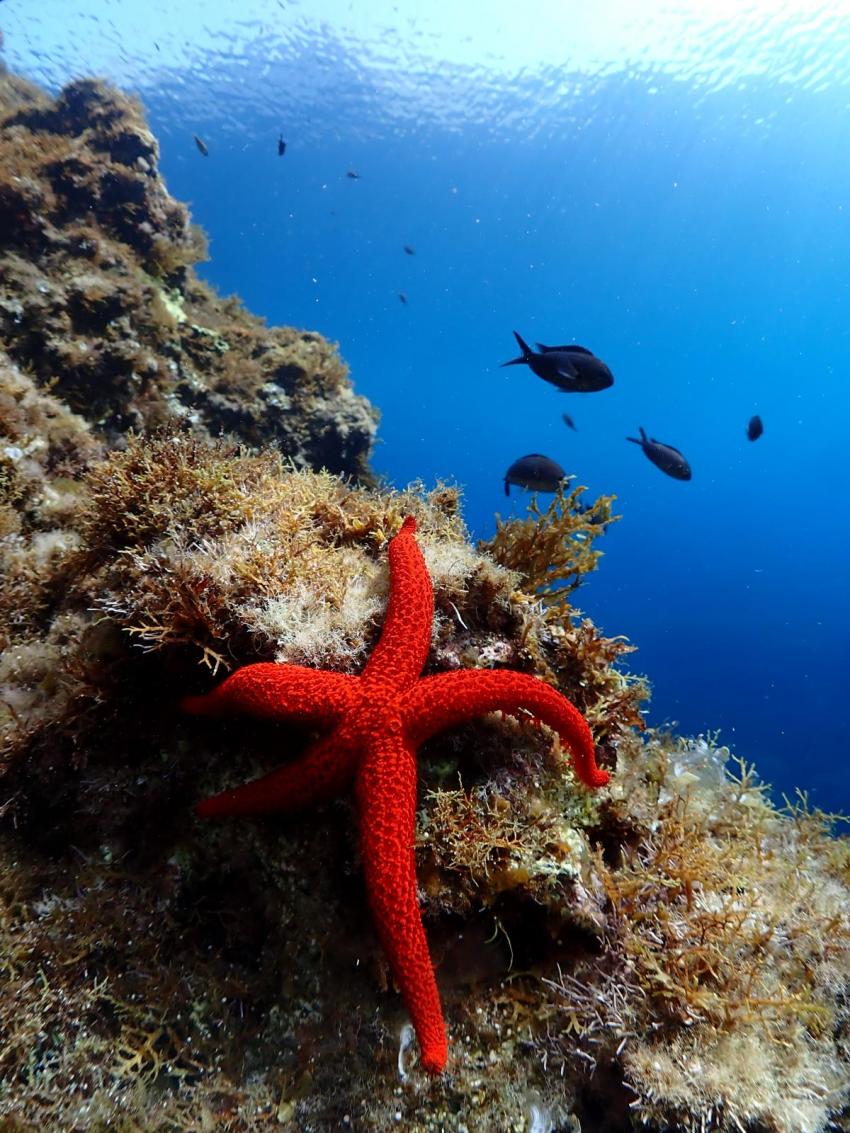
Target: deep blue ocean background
{"x": 668, "y": 188}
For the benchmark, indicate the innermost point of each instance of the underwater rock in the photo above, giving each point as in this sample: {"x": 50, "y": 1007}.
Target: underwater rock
{"x": 616, "y": 953}
{"x": 201, "y": 553}
{"x": 100, "y": 302}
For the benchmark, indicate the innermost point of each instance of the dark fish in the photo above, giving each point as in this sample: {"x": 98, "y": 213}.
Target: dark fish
{"x": 596, "y": 520}
{"x": 281, "y": 146}
{"x": 410, "y": 251}
{"x": 573, "y": 369}
{"x": 402, "y": 297}
{"x": 755, "y": 428}
{"x": 354, "y": 176}
{"x": 665, "y": 457}
{"x": 565, "y": 417}
{"x": 202, "y": 145}
{"x": 536, "y": 473}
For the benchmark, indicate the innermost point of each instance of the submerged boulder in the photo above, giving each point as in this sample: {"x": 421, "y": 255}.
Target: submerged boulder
{"x": 100, "y": 303}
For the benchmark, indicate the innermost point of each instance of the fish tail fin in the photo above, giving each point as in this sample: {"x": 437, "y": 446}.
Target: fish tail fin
{"x": 526, "y": 353}
{"x": 642, "y": 440}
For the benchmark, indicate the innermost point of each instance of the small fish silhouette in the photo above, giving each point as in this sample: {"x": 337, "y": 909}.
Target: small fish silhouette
{"x": 202, "y": 145}
{"x": 573, "y": 369}
{"x": 402, "y": 297}
{"x": 410, "y": 251}
{"x": 535, "y": 472}
{"x": 281, "y": 146}
{"x": 565, "y": 417}
{"x": 665, "y": 457}
{"x": 587, "y": 510}
{"x": 354, "y": 176}
{"x": 755, "y": 428}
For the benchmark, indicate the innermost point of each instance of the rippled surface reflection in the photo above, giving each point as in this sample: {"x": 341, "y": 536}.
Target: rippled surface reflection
{"x": 531, "y": 69}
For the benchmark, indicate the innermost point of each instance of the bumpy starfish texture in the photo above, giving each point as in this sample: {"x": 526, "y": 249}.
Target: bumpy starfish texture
{"x": 374, "y": 724}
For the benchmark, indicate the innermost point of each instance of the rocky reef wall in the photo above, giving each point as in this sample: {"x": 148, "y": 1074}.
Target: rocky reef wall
{"x": 100, "y": 305}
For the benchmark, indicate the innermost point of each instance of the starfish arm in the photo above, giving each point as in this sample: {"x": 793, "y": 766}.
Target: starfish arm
{"x": 448, "y": 699}
{"x": 402, "y": 650}
{"x": 386, "y": 792}
{"x": 325, "y": 769}
{"x": 280, "y": 692}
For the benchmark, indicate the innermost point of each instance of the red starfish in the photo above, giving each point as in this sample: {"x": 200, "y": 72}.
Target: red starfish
{"x": 375, "y": 723}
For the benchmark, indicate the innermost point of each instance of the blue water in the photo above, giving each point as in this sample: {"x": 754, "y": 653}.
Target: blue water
{"x": 666, "y": 191}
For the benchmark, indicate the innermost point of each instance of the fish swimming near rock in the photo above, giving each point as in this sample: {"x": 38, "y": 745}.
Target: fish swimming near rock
{"x": 592, "y": 516}
{"x": 589, "y": 513}
{"x": 665, "y": 457}
{"x": 281, "y": 146}
{"x": 202, "y": 145}
{"x": 573, "y": 369}
{"x": 535, "y": 472}
{"x": 755, "y": 428}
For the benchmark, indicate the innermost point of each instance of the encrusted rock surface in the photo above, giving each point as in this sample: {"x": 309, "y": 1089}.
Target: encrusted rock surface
{"x": 100, "y": 304}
